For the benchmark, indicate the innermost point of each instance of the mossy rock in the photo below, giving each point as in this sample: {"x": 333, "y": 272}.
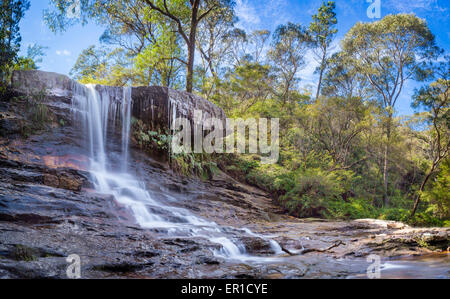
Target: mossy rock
{"x": 24, "y": 253}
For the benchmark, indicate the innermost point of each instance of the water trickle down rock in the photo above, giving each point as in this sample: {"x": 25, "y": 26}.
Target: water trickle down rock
{"x": 96, "y": 108}
{"x": 151, "y": 104}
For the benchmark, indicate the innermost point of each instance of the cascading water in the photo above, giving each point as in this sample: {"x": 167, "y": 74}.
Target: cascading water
{"x": 126, "y": 125}
{"x": 96, "y": 112}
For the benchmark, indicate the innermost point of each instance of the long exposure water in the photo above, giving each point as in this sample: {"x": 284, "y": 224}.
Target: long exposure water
{"x": 95, "y": 111}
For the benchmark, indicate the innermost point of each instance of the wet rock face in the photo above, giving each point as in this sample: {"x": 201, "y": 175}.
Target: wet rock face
{"x": 154, "y": 105}
{"x": 257, "y": 246}
{"x": 9, "y": 124}
{"x": 34, "y": 81}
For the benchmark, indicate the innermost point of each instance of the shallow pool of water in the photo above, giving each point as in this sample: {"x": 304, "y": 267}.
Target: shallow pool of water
{"x": 433, "y": 266}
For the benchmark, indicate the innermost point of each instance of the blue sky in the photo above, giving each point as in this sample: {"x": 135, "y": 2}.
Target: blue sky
{"x": 63, "y": 49}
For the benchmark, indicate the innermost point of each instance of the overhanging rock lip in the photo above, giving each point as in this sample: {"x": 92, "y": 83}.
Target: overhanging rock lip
{"x": 36, "y": 81}
{"x": 160, "y": 99}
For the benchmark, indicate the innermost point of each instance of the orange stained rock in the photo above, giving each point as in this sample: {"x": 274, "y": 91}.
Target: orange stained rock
{"x": 78, "y": 162}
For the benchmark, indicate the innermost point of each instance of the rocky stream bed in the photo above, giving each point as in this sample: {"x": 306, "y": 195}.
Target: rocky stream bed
{"x": 49, "y": 209}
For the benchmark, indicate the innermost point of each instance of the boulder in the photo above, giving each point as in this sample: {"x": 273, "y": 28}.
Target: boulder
{"x": 257, "y": 246}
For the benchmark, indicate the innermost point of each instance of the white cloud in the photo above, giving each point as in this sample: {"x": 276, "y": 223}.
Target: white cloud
{"x": 411, "y": 6}
{"x": 279, "y": 11}
{"x": 246, "y": 13}
{"x": 262, "y": 14}
{"x": 307, "y": 75}
{"x": 63, "y": 53}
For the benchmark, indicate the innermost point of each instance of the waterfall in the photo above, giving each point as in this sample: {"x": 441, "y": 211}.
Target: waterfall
{"x": 126, "y": 125}
{"x": 98, "y": 116}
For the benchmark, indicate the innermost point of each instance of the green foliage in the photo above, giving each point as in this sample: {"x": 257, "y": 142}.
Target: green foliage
{"x": 323, "y": 30}
{"x": 388, "y": 53}
{"x": 36, "y": 114}
{"x": 104, "y": 66}
{"x": 435, "y": 99}
{"x": 437, "y": 195}
{"x": 310, "y": 194}
{"x": 11, "y": 12}
{"x": 158, "y": 61}
{"x": 333, "y": 147}
{"x": 137, "y": 19}
{"x": 199, "y": 165}
{"x": 397, "y": 214}
{"x": 351, "y": 209}
{"x": 290, "y": 44}
{"x": 34, "y": 56}
{"x": 149, "y": 140}
{"x": 316, "y": 193}
{"x": 23, "y": 253}
{"x": 323, "y": 26}
{"x": 187, "y": 164}
{"x": 425, "y": 219}
{"x": 243, "y": 88}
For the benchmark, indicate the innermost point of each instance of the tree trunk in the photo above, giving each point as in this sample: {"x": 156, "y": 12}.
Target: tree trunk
{"x": 385, "y": 166}
{"x": 191, "y": 47}
{"x": 320, "y": 83}
{"x": 322, "y": 69}
{"x": 190, "y": 67}
{"x": 422, "y": 188}
{"x": 385, "y": 176}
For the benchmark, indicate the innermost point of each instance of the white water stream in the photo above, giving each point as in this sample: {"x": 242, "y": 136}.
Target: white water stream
{"x": 95, "y": 112}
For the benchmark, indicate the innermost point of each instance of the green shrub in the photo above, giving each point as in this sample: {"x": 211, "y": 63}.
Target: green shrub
{"x": 425, "y": 219}
{"x": 436, "y": 197}
{"x": 394, "y": 214}
{"x": 317, "y": 193}
{"x": 150, "y": 141}
{"x": 200, "y": 165}
{"x": 354, "y": 209}
{"x": 310, "y": 195}
{"x": 267, "y": 177}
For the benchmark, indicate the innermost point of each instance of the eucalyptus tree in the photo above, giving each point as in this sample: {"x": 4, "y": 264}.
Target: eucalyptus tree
{"x": 102, "y": 65}
{"x": 212, "y": 39}
{"x": 342, "y": 79}
{"x": 337, "y": 128}
{"x": 388, "y": 53}
{"x": 435, "y": 100}
{"x": 187, "y": 15}
{"x": 30, "y": 61}
{"x": 139, "y": 47}
{"x": 323, "y": 30}
{"x": 11, "y": 12}
{"x": 133, "y": 16}
{"x": 289, "y": 47}
{"x": 246, "y": 47}
{"x": 258, "y": 43}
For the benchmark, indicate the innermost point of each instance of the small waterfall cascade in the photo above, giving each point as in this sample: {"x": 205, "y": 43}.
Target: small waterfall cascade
{"x": 103, "y": 116}
{"x": 126, "y": 125}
